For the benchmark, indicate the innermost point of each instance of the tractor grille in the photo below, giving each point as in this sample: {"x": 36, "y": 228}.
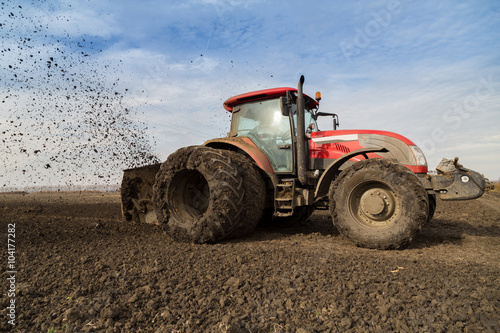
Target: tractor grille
{"x": 342, "y": 148}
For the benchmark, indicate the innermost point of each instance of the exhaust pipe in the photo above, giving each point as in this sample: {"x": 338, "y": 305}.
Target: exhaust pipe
{"x": 301, "y": 134}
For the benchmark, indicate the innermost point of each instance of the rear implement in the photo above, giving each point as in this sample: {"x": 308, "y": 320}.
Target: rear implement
{"x": 137, "y": 193}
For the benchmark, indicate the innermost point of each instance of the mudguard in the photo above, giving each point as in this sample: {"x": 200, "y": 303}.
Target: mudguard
{"x": 329, "y": 174}
{"x": 247, "y": 146}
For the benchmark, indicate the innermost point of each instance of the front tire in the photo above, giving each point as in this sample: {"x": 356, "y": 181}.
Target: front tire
{"x": 378, "y": 204}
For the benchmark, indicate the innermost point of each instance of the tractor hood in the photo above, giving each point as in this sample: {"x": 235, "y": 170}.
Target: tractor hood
{"x": 335, "y": 144}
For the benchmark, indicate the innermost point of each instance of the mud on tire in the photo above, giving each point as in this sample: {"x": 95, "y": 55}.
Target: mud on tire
{"x": 255, "y": 194}
{"x": 203, "y": 195}
{"x": 378, "y": 204}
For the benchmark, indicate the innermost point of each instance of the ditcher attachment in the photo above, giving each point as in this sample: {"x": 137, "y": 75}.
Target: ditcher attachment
{"x": 454, "y": 182}
{"x": 137, "y": 194}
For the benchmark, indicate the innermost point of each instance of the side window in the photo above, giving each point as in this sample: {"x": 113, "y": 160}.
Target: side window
{"x": 308, "y": 120}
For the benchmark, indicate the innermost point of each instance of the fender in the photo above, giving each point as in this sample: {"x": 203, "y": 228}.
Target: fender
{"x": 330, "y": 172}
{"x": 247, "y": 146}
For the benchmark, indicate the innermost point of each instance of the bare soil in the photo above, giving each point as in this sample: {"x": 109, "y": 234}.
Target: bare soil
{"x": 80, "y": 267}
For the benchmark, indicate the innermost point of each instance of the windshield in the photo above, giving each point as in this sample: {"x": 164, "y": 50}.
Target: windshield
{"x": 264, "y": 123}
{"x": 254, "y": 116}
{"x": 269, "y": 130}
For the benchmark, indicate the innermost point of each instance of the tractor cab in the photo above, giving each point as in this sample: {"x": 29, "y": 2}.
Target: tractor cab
{"x": 269, "y": 119}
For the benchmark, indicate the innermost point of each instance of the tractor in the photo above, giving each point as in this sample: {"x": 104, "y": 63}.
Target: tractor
{"x": 275, "y": 166}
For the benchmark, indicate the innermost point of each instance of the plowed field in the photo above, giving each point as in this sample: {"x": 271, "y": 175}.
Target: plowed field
{"x": 80, "y": 267}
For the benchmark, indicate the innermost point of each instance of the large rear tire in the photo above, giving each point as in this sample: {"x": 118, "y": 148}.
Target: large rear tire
{"x": 378, "y": 204}
{"x": 255, "y": 194}
{"x": 204, "y": 195}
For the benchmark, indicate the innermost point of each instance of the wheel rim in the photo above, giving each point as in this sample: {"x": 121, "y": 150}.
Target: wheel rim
{"x": 374, "y": 204}
{"x": 189, "y": 194}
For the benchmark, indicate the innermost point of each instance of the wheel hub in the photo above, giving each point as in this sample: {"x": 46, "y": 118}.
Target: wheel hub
{"x": 377, "y": 204}
{"x": 190, "y": 194}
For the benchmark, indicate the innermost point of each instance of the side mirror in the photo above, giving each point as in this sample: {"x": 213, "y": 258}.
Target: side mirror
{"x": 335, "y": 122}
{"x": 285, "y": 106}
{"x": 333, "y": 115}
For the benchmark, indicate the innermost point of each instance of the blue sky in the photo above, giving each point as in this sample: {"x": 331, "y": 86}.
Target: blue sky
{"x": 427, "y": 70}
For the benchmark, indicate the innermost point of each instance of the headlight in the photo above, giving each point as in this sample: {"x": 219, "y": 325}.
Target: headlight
{"x": 419, "y": 156}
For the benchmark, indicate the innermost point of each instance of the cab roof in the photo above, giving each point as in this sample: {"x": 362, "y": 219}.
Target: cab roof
{"x": 231, "y": 102}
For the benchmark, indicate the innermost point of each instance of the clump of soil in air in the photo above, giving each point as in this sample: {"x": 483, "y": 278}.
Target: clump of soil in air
{"x": 64, "y": 116}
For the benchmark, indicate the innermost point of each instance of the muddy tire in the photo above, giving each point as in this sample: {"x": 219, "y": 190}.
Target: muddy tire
{"x": 378, "y": 204}
{"x": 204, "y": 195}
{"x": 255, "y": 194}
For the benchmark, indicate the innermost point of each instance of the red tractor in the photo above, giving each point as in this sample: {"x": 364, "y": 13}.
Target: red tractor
{"x": 276, "y": 166}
